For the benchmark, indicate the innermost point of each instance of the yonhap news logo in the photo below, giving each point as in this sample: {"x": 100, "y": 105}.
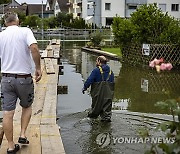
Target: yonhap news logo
{"x": 105, "y": 139}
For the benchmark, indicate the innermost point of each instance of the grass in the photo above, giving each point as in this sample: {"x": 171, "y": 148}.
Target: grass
{"x": 113, "y": 50}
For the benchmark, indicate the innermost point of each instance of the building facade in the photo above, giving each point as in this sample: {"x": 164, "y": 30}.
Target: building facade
{"x": 170, "y": 6}
{"x": 75, "y": 7}
{"x": 101, "y": 12}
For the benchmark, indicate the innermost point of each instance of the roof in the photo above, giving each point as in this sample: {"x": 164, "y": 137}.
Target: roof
{"x": 10, "y": 7}
{"x": 63, "y": 5}
{"x": 50, "y": 3}
{"x": 34, "y": 8}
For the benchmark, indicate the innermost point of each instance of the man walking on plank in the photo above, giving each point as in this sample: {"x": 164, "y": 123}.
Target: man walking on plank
{"x": 17, "y": 44}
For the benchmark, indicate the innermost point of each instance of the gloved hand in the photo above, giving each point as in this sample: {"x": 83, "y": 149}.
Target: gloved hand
{"x": 83, "y": 91}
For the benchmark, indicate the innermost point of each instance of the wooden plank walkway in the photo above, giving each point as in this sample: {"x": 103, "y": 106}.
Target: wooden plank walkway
{"x": 43, "y": 132}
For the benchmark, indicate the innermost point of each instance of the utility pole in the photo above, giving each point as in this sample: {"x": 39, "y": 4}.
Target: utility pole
{"x": 3, "y": 9}
{"x": 94, "y": 6}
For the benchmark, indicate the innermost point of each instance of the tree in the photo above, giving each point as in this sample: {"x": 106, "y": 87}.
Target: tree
{"x": 96, "y": 38}
{"x": 122, "y": 29}
{"x": 151, "y": 25}
{"x": 32, "y": 21}
{"x": 5, "y": 1}
{"x": 147, "y": 25}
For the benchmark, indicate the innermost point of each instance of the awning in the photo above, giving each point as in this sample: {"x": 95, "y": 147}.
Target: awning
{"x": 88, "y": 18}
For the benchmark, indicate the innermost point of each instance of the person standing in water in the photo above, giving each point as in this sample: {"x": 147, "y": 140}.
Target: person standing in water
{"x": 101, "y": 81}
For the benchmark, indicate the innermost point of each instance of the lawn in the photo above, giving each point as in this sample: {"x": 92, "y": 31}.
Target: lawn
{"x": 113, "y": 50}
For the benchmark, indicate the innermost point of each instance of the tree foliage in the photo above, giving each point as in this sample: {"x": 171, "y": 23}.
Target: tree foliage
{"x": 31, "y": 21}
{"x": 5, "y": 1}
{"x": 96, "y": 38}
{"x": 147, "y": 25}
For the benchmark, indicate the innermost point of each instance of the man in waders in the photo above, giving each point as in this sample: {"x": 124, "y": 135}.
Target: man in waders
{"x": 101, "y": 81}
{"x": 17, "y": 44}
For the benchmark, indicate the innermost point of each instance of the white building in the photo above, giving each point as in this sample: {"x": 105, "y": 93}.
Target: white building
{"x": 170, "y": 6}
{"x": 75, "y": 7}
{"x": 57, "y": 6}
{"x": 102, "y": 12}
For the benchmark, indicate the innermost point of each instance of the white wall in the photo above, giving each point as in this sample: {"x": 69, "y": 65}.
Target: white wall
{"x": 117, "y": 8}
{"x": 168, "y": 3}
{"x": 56, "y": 9}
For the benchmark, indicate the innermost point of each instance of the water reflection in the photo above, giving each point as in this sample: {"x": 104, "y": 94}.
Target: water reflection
{"x": 136, "y": 89}
{"x": 97, "y": 144}
{"x": 145, "y": 87}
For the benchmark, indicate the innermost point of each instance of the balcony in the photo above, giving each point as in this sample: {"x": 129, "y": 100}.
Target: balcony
{"x": 79, "y": 4}
{"x": 79, "y": 14}
{"x": 69, "y": 4}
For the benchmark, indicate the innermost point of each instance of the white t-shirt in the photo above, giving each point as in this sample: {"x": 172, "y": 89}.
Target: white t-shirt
{"x": 14, "y": 50}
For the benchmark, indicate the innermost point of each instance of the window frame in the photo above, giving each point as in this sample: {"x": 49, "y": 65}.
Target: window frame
{"x": 174, "y": 7}
{"x": 162, "y": 4}
{"x": 109, "y": 6}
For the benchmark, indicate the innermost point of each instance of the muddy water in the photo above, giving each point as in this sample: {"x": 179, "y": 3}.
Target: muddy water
{"x": 136, "y": 90}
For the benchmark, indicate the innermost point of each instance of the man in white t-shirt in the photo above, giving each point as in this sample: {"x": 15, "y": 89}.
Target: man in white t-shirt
{"x": 17, "y": 44}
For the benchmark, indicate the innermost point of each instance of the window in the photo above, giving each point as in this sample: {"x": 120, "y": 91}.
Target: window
{"x": 107, "y": 6}
{"x": 57, "y": 7}
{"x": 131, "y": 7}
{"x": 175, "y": 7}
{"x": 162, "y": 7}
{"x": 109, "y": 21}
{"x": 88, "y": 6}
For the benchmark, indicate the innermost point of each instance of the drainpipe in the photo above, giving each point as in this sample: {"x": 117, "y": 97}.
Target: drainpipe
{"x": 125, "y": 9}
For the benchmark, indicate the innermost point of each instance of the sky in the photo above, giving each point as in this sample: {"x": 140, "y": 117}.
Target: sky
{"x": 31, "y": 1}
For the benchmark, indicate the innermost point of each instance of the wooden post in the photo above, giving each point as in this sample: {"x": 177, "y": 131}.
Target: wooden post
{"x": 1, "y": 133}
{"x": 62, "y": 89}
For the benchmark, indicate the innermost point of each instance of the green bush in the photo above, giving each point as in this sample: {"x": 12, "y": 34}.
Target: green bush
{"x": 171, "y": 129}
{"x": 96, "y": 38}
{"x": 32, "y": 21}
{"x": 147, "y": 25}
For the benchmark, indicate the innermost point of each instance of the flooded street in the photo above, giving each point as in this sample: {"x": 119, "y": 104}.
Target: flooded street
{"x": 136, "y": 92}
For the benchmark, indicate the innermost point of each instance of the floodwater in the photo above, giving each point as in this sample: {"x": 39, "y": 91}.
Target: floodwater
{"x": 136, "y": 91}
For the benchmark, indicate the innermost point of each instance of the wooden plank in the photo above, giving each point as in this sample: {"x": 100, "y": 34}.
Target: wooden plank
{"x": 51, "y": 140}
{"x": 62, "y": 89}
{"x": 38, "y": 104}
{"x": 44, "y": 54}
{"x": 56, "y": 54}
{"x": 50, "y": 54}
{"x": 49, "y": 47}
{"x": 53, "y": 41}
{"x": 49, "y": 66}
{"x": 49, "y": 110}
{"x": 58, "y": 42}
{"x": 1, "y": 133}
{"x": 33, "y": 134}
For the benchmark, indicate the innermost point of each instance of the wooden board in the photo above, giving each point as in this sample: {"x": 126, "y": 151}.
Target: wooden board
{"x": 53, "y": 41}
{"x": 33, "y": 134}
{"x": 49, "y": 47}
{"x": 58, "y": 42}
{"x": 56, "y": 54}
{"x": 1, "y": 133}
{"x": 44, "y": 54}
{"x": 51, "y": 140}
{"x": 50, "y": 54}
{"x": 49, "y": 110}
{"x": 49, "y": 66}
